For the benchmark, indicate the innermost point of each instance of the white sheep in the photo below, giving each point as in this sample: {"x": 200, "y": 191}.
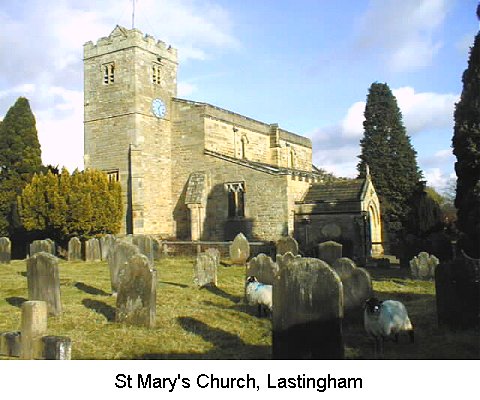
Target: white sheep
{"x": 260, "y": 294}
{"x": 382, "y": 319}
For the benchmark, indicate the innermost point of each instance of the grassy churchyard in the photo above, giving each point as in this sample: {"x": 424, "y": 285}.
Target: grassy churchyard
{"x": 194, "y": 323}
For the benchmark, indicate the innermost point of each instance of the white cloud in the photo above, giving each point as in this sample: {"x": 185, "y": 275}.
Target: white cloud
{"x": 438, "y": 179}
{"x": 402, "y": 33}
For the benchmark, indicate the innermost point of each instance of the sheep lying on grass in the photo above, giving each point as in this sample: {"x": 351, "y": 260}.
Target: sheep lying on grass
{"x": 260, "y": 294}
{"x": 382, "y": 319}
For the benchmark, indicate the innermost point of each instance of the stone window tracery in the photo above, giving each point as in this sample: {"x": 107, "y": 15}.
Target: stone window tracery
{"x": 108, "y": 73}
{"x": 156, "y": 74}
{"x": 236, "y": 199}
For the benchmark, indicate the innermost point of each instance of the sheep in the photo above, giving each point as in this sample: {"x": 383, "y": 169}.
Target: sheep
{"x": 260, "y": 294}
{"x": 385, "y": 318}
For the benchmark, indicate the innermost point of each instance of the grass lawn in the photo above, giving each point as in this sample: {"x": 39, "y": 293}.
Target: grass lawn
{"x": 197, "y": 323}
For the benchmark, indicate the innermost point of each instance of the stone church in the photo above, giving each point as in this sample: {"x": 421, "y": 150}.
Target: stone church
{"x": 194, "y": 171}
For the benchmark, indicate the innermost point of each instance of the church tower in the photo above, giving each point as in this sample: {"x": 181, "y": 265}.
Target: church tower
{"x": 129, "y": 83}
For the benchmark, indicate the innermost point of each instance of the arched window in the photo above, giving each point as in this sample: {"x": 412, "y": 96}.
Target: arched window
{"x": 243, "y": 149}
{"x": 236, "y": 199}
{"x": 291, "y": 158}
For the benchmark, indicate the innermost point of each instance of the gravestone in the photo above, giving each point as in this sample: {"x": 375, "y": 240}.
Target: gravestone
{"x": 239, "y": 249}
{"x": 263, "y": 268}
{"x": 215, "y": 255}
{"x": 92, "y": 250}
{"x": 307, "y": 311}
{"x": 286, "y": 259}
{"x": 329, "y": 251}
{"x": 43, "y": 281}
{"x": 457, "y": 288}
{"x": 205, "y": 270}
{"x": 157, "y": 249}
{"x": 74, "y": 249}
{"x": 137, "y": 293}
{"x": 356, "y": 282}
{"x": 106, "y": 245}
{"x": 45, "y": 245}
{"x": 423, "y": 266}
{"x": 145, "y": 245}
{"x": 34, "y": 326}
{"x": 5, "y": 250}
{"x": 118, "y": 260}
{"x": 287, "y": 244}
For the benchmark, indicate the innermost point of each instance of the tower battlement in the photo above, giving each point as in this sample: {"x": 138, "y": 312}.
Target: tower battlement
{"x": 122, "y": 38}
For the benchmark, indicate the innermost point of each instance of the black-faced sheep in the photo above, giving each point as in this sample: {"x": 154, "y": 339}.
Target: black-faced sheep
{"x": 260, "y": 294}
{"x": 384, "y": 319}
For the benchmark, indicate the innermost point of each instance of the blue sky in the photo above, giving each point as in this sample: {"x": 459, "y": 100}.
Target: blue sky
{"x": 304, "y": 64}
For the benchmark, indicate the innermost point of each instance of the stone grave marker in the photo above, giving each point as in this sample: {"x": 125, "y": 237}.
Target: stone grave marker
{"x": 287, "y": 244}
{"x": 423, "y": 266}
{"x": 43, "y": 281}
{"x": 145, "y": 245}
{"x": 239, "y": 249}
{"x": 106, "y": 245}
{"x": 329, "y": 251}
{"x": 74, "y": 249}
{"x": 286, "y": 259}
{"x": 263, "y": 268}
{"x": 92, "y": 250}
{"x": 307, "y": 311}
{"x": 205, "y": 271}
{"x": 5, "y": 250}
{"x": 137, "y": 293}
{"x": 215, "y": 255}
{"x": 118, "y": 260}
{"x": 45, "y": 245}
{"x": 356, "y": 282}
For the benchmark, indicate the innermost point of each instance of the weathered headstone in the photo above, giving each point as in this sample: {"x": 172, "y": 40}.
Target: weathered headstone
{"x": 118, "y": 260}
{"x": 137, "y": 293}
{"x": 10, "y": 344}
{"x": 145, "y": 245}
{"x": 457, "y": 288}
{"x": 239, "y": 249}
{"x": 92, "y": 250}
{"x": 263, "y": 268}
{"x": 56, "y": 348}
{"x": 307, "y": 311}
{"x": 106, "y": 245}
{"x": 205, "y": 270}
{"x": 329, "y": 251}
{"x": 43, "y": 281}
{"x": 214, "y": 254}
{"x": 356, "y": 282}
{"x": 74, "y": 249}
{"x": 34, "y": 326}
{"x": 286, "y": 259}
{"x": 287, "y": 244}
{"x": 157, "y": 249}
{"x": 5, "y": 250}
{"x": 423, "y": 266}
{"x": 45, "y": 245}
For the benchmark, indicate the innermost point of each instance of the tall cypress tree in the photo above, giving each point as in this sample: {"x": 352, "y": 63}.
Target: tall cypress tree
{"x": 466, "y": 147}
{"x": 20, "y": 158}
{"x": 387, "y": 150}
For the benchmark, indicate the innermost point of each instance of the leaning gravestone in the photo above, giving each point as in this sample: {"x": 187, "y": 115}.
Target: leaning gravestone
{"x": 74, "y": 249}
{"x": 46, "y": 246}
{"x": 43, "y": 281}
{"x": 5, "y": 250}
{"x": 118, "y": 260}
{"x": 423, "y": 266}
{"x": 307, "y": 311}
{"x": 263, "y": 268}
{"x": 287, "y": 244}
{"x": 329, "y": 251}
{"x": 356, "y": 282}
{"x": 205, "y": 271}
{"x": 145, "y": 245}
{"x": 106, "y": 245}
{"x": 92, "y": 250}
{"x": 239, "y": 249}
{"x": 137, "y": 293}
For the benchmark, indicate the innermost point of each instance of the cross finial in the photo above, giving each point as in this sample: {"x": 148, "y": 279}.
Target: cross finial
{"x": 367, "y": 171}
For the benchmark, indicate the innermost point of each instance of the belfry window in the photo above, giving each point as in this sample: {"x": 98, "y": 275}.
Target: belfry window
{"x": 113, "y": 176}
{"x": 236, "y": 199}
{"x": 156, "y": 74}
{"x": 108, "y": 73}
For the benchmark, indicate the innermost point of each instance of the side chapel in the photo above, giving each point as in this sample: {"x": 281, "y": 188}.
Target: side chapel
{"x": 194, "y": 171}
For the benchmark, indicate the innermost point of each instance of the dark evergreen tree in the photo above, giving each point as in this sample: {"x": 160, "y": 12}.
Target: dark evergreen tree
{"x": 20, "y": 158}
{"x": 386, "y": 149}
{"x": 466, "y": 147}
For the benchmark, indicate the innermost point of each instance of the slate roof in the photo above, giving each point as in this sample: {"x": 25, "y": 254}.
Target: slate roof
{"x": 340, "y": 191}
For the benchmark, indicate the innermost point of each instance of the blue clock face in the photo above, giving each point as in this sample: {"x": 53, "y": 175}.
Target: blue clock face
{"x": 158, "y": 108}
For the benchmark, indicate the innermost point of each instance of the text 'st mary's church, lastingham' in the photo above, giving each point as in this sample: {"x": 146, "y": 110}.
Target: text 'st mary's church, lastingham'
{"x": 194, "y": 171}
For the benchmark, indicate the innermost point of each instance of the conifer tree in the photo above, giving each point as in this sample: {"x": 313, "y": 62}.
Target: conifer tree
{"x": 387, "y": 150}
{"x": 466, "y": 147}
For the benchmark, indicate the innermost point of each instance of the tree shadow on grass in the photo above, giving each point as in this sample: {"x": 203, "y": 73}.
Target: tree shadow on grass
{"x": 101, "y": 308}
{"x": 174, "y": 284}
{"x": 226, "y": 344}
{"x": 219, "y": 292}
{"x": 90, "y": 289}
{"x": 15, "y": 301}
